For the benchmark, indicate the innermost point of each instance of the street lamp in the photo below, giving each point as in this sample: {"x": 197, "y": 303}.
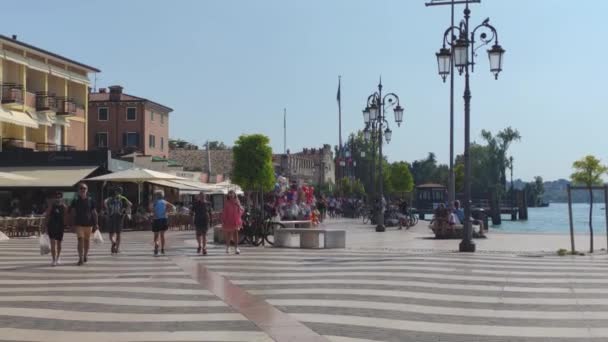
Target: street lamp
{"x": 376, "y": 106}
{"x": 461, "y": 49}
{"x": 366, "y": 115}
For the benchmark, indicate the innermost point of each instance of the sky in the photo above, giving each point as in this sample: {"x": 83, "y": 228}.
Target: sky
{"x": 230, "y": 67}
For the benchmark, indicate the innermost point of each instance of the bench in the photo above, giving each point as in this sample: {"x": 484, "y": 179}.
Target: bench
{"x": 297, "y": 224}
{"x": 443, "y": 230}
{"x": 310, "y": 238}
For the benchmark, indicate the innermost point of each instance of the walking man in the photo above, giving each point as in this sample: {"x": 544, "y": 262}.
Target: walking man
{"x": 160, "y": 224}
{"x": 117, "y": 207}
{"x": 85, "y": 220}
{"x": 201, "y": 210}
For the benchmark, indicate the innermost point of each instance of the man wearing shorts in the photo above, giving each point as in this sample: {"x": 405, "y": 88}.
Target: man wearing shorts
{"x": 84, "y": 218}
{"x": 117, "y": 207}
{"x": 201, "y": 210}
{"x": 159, "y": 209}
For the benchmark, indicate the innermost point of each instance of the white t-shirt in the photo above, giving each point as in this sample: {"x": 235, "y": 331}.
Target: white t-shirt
{"x": 454, "y": 219}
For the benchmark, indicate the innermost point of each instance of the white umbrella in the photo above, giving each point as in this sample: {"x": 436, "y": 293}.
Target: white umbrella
{"x": 135, "y": 175}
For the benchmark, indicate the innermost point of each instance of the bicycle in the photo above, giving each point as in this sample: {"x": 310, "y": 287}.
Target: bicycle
{"x": 257, "y": 229}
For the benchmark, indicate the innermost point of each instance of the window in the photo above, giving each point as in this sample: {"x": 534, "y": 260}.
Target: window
{"x": 102, "y": 140}
{"x": 131, "y": 113}
{"x": 152, "y": 141}
{"x": 130, "y": 139}
{"x": 162, "y": 118}
{"x": 102, "y": 114}
{"x": 151, "y": 116}
{"x": 162, "y": 143}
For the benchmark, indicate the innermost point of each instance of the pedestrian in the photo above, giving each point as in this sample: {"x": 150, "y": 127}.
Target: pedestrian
{"x": 117, "y": 207}
{"x": 55, "y": 224}
{"x": 231, "y": 221}
{"x": 160, "y": 224}
{"x": 201, "y": 210}
{"x": 85, "y": 220}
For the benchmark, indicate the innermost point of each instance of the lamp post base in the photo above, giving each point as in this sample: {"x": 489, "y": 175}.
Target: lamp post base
{"x": 380, "y": 228}
{"x": 467, "y": 246}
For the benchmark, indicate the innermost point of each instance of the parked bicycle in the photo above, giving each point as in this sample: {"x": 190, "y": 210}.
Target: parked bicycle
{"x": 257, "y": 228}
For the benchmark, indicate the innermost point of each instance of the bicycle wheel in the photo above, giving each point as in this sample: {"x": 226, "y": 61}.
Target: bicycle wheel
{"x": 271, "y": 227}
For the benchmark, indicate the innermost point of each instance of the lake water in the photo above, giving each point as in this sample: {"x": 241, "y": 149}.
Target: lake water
{"x": 554, "y": 219}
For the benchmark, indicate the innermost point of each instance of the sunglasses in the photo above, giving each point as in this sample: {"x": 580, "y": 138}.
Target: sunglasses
{"x": 83, "y": 188}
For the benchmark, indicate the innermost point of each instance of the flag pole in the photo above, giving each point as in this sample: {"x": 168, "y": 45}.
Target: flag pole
{"x": 284, "y": 130}
{"x": 339, "y": 98}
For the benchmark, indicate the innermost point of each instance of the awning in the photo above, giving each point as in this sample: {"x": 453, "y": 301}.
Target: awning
{"x": 44, "y": 119}
{"x": 46, "y": 177}
{"x": 183, "y": 188}
{"x": 17, "y": 118}
{"x": 62, "y": 121}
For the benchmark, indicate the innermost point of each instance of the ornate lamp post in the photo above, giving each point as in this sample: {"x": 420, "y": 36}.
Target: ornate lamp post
{"x": 462, "y": 53}
{"x": 375, "y": 113}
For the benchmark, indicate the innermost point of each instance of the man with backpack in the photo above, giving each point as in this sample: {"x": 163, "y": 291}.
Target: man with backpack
{"x": 116, "y": 207}
{"x": 84, "y": 217}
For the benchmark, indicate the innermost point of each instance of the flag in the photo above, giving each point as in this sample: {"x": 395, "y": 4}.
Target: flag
{"x": 338, "y": 95}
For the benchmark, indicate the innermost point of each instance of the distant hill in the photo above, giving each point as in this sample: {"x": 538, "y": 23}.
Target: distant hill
{"x": 555, "y": 191}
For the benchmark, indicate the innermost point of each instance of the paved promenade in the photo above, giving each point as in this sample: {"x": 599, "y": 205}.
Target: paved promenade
{"x": 413, "y": 290}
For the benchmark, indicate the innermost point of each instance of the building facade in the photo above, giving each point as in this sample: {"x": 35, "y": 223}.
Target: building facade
{"x": 215, "y": 165}
{"x": 125, "y": 123}
{"x": 44, "y": 99}
{"x": 313, "y": 166}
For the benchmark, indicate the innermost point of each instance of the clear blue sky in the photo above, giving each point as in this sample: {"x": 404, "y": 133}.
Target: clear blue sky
{"x": 230, "y": 67}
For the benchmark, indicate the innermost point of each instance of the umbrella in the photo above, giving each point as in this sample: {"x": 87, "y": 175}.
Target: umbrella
{"x": 136, "y": 175}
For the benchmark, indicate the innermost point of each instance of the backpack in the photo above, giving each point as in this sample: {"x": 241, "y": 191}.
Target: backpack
{"x": 116, "y": 205}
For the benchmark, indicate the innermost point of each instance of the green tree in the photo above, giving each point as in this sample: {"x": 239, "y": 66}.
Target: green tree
{"x": 400, "y": 177}
{"x": 253, "y": 169}
{"x": 588, "y": 172}
{"x": 217, "y": 145}
{"x": 539, "y": 189}
{"x": 459, "y": 175}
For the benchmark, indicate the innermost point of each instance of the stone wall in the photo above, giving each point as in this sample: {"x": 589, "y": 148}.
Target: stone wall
{"x": 196, "y": 160}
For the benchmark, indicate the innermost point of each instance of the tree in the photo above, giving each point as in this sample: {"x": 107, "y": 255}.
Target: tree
{"x": 588, "y": 172}
{"x": 400, "y": 177}
{"x": 253, "y": 169}
{"x": 539, "y": 189}
{"x": 217, "y": 145}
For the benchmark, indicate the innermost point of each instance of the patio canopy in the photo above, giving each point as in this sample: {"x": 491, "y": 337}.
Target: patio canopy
{"x": 43, "y": 177}
{"x": 135, "y": 175}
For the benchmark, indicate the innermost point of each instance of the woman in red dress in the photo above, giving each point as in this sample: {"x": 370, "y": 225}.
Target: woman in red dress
{"x": 231, "y": 221}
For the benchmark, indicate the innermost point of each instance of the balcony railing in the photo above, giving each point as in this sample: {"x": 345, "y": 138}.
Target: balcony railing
{"x": 12, "y": 93}
{"x": 45, "y": 101}
{"x": 53, "y": 147}
{"x": 66, "y": 106}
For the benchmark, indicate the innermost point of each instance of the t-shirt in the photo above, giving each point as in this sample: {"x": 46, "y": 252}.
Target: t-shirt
{"x": 84, "y": 211}
{"x": 201, "y": 212}
{"x": 116, "y": 205}
{"x": 460, "y": 214}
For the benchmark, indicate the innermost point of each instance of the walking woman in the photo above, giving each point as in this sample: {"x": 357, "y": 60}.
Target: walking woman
{"x": 201, "y": 210}
{"x": 231, "y": 221}
{"x": 55, "y": 224}
{"x": 160, "y": 224}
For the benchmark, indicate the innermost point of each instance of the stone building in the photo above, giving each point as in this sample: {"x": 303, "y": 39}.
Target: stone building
{"x": 312, "y": 166}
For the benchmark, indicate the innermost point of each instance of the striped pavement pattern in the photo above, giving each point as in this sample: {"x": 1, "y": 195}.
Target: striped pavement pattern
{"x": 362, "y": 295}
{"x": 130, "y": 297}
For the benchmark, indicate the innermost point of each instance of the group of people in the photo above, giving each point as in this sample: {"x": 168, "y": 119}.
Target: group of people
{"x": 454, "y": 215}
{"x": 82, "y": 215}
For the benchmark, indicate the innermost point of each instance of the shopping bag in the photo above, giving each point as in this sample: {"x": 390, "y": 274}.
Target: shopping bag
{"x": 97, "y": 238}
{"x": 45, "y": 244}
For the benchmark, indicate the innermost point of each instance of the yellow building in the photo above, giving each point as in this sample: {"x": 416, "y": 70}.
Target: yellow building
{"x": 44, "y": 99}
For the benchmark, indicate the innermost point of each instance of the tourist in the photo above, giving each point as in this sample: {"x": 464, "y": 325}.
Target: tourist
{"x": 460, "y": 215}
{"x": 160, "y": 223}
{"x": 55, "y": 224}
{"x": 231, "y": 221}
{"x": 85, "y": 220}
{"x": 201, "y": 210}
{"x": 116, "y": 207}
{"x": 322, "y": 207}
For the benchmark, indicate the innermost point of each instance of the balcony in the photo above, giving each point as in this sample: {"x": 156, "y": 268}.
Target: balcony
{"x": 50, "y": 147}
{"x": 66, "y": 106}
{"x": 12, "y": 93}
{"x": 45, "y": 101}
